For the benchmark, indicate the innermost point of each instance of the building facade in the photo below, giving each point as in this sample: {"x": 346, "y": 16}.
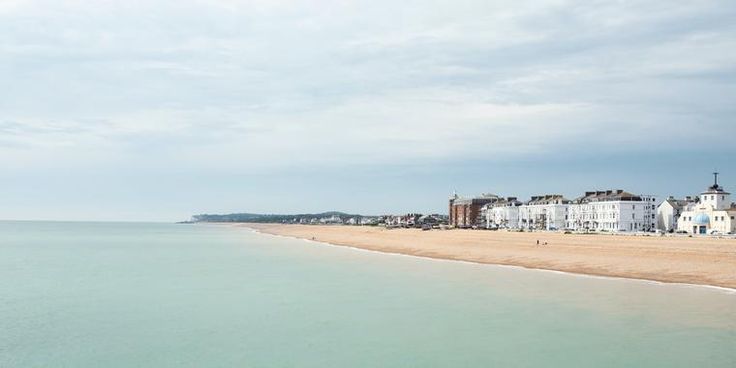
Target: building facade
{"x": 466, "y": 212}
{"x": 545, "y": 212}
{"x": 503, "y": 214}
{"x": 714, "y": 213}
{"x": 669, "y": 212}
{"x": 612, "y": 210}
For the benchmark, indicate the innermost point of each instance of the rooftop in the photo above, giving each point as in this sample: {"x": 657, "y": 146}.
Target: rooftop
{"x": 607, "y": 196}
{"x": 548, "y": 199}
{"x": 482, "y": 199}
{"x": 679, "y": 203}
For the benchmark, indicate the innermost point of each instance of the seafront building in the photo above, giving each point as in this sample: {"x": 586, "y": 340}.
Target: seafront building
{"x": 502, "y": 214}
{"x": 612, "y": 210}
{"x": 712, "y": 214}
{"x": 616, "y": 210}
{"x": 466, "y": 212}
{"x": 609, "y": 210}
{"x": 546, "y": 212}
{"x": 669, "y": 212}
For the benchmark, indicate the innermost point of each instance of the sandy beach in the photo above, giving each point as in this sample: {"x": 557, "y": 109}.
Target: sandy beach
{"x": 704, "y": 261}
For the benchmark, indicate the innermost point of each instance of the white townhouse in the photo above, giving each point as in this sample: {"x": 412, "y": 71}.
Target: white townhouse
{"x": 545, "y": 212}
{"x": 669, "y": 211}
{"x": 714, "y": 213}
{"x": 612, "y": 210}
{"x": 503, "y": 214}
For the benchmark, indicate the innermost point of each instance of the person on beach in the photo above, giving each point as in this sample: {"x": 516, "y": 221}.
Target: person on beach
{"x": 537, "y": 241}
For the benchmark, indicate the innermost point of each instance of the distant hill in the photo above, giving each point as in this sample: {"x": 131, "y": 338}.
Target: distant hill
{"x": 270, "y": 218}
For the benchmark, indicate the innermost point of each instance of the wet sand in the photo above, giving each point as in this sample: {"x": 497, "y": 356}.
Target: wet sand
{"x": 704, "y": 261}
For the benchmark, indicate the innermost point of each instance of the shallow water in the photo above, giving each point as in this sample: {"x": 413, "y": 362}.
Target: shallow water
{"x": 164, "y": 295}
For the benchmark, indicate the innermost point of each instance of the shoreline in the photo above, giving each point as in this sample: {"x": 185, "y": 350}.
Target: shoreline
{"x": 728, "y": 290}
{"x": 684, "y": 261}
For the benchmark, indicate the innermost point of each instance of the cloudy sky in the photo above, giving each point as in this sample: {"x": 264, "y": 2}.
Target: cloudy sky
{"x": 156, "y": 110}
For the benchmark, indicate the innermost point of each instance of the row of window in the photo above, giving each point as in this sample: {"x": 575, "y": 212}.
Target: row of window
{"x": 612, "y": 226}
{"x": 613, "y": 207}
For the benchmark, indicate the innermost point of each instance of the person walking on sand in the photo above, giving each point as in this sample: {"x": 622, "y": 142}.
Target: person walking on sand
{"x": 537, "y": 241}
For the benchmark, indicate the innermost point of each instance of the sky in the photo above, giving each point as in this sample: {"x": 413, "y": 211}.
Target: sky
{"x": 158, "y": 110}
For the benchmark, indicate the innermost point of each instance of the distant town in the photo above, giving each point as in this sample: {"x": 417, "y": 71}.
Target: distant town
{"x": 599, "y": 211}
{"x": 408, "y": 220}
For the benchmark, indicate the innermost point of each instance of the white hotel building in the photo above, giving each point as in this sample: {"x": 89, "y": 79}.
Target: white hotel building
{"x": 612, "y": 210}
{"x": 503, "y": 214}
{"x": 617, "y": 210}
{"x": 546, "y": 212}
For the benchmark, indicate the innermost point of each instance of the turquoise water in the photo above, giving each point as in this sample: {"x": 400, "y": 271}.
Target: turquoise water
{"x": 161, "y": 295}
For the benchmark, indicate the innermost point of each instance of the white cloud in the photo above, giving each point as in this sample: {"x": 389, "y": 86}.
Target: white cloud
{"x": 295, "y": 83}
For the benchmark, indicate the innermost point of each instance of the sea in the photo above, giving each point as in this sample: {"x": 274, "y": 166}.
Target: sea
{"x": 84, "y": 294}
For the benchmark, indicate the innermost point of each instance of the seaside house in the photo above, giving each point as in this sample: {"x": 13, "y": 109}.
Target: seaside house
{"x": 332, "y": 220}
{"x": 713, "y": 213}
{"x": 369, "y": 221}
{"x": 669, "y": 212}
{"x": 545, "y": 212}
{"x": 612, "y": 210}
{"x": 503, "y": 214}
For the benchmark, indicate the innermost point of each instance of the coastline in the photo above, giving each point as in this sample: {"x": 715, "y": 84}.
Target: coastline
{"x": 692, "y": 261}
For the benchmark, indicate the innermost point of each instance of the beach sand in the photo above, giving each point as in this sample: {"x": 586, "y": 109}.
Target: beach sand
{"x": 704, "y": 261}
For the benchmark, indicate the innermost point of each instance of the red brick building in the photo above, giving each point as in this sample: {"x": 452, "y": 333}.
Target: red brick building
{"x": 466, "y": 212}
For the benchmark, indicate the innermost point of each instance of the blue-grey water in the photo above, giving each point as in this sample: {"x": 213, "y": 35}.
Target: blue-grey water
{"x": 163, "y": 295}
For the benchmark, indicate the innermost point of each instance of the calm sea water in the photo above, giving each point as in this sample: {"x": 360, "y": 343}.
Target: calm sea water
{"x": 161, "y": 295}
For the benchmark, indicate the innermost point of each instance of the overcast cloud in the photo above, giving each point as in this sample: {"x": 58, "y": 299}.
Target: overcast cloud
{"x": 219, "y": 89}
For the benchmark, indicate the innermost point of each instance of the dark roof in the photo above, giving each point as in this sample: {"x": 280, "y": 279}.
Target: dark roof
{"x": 548, "y": 199}
{"x": 483, "y": 199}
{"x": 608, "y": 195}
{"x": 678, "y": 203}
{"x": 507, "y": 202}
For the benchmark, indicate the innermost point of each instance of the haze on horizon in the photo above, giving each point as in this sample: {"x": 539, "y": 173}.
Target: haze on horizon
{"x": 157, "y": 110}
